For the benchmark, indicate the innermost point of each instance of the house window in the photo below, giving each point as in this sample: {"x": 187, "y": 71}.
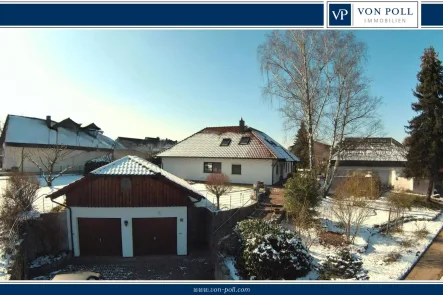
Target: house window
{"x": 225, "y": 142}
{"x": 245, "y": 140}
{"x": 212, "y": 167}
{"x": 276, "y": 169}
{"x": 236, "y": 169}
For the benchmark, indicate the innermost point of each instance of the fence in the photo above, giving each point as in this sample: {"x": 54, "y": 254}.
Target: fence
{"x": 69, "y": 170}
{"x": 231, "y": 200}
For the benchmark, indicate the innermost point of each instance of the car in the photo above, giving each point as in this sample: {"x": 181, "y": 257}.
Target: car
{"x": 78, "y": 276}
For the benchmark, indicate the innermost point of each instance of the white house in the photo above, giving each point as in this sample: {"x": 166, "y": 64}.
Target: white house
{"x": 23, "y": 138}
{"x": 245, "y": 154}
{"x": 383, "y": 156}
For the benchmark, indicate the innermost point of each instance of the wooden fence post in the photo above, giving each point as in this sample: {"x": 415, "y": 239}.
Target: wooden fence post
{"x": 389, "y": 221}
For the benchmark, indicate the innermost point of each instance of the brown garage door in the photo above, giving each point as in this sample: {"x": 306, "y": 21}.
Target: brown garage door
{"x": 100, "y": 236}
{"x": 152, "y": 236}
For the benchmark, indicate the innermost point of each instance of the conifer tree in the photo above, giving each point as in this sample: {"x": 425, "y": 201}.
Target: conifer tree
{"x": 425, "y": 145}
{"x": 301, "y": 146}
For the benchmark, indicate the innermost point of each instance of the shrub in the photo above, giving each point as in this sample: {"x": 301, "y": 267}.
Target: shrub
{"x": 351, "y": 204}
{"x": 96, "y": 163}
{"x": 271, "y": 252}
{"x": 343, "y": 265}
{"x": 421, "y": 232}
{"x": 392, "y": 257}
{"x": 302, "y": 188}
{"x": 327, "y": 238}
{"x": 407, "y": 243}
{"x": 17, "y": 199}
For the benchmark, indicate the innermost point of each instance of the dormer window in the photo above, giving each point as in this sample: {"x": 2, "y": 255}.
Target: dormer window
{"x": 245, "y": 140}
{"x": 225, "y": 142}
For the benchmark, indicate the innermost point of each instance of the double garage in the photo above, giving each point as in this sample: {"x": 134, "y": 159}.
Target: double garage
{"x": 129, "y": 232}
{"x": 128, "y": 208}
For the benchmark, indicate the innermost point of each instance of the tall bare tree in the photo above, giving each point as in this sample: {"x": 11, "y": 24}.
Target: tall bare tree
{"x": 352, "y": 110}
{"x": 46, "y": 160}
{"x": 296, "y": 66}
{"x": 318, "y": 77}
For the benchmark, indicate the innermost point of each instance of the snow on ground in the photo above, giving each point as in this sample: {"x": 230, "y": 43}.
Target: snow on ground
{"x": 43, "y": 204}
{"x": 380, "y": 212}
{"x": 4, "y": 261}
{"x": 229, "y": 262}
{"x": 386, "y": 257}
{"x": 44, "y": 260}
{"x": 238, "y": 197}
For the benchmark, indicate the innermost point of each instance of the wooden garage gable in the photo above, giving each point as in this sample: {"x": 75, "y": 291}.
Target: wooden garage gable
{"x": 113, "y": 191}
{"x": 129, "y": 182}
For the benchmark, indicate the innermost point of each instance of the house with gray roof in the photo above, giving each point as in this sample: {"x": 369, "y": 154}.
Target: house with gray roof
{"x": 381, "y": 156}
{"x": 23, "y": 138}
{"x": 245, "y": 154}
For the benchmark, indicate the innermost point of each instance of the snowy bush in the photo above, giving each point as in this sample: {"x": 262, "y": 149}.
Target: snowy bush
{"x": 344, "y": 265}
{"x": 271, "y": 252}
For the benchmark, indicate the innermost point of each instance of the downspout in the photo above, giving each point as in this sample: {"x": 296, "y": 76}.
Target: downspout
{"x": 70, "y": 222}
{"x": 273, "y": 166}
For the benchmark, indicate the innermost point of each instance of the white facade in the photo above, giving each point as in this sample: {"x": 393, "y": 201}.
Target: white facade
{"x": 393, "y": 176}
{"x": 14, "y": 156}
{"x": 252, "y": 170}
{"x": 127, "y": 214}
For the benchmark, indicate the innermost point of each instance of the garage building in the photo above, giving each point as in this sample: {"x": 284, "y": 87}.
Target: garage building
{"x": 128, "y": 208}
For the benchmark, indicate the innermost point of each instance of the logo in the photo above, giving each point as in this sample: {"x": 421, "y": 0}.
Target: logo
{"x": 340, "y": 14}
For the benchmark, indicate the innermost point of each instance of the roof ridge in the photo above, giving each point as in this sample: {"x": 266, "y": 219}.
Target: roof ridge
{"x": 108, "y": 165}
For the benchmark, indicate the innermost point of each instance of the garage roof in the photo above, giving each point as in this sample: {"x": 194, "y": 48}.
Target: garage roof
{"x": 127, "y": 166}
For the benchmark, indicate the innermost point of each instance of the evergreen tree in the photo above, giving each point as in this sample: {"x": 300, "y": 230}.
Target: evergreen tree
{"x": 301, "y": 146}
{"x": 425, "y": 145}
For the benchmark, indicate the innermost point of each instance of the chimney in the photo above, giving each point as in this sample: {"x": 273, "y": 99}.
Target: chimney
{"x": 242, "y": 125}
{"x": 48, "y": 122}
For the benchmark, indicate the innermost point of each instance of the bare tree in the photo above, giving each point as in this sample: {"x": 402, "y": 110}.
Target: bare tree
{"x": 351, "y": 204}
{"x": 352, "y": 110}
{"x": 318, "y": 76}
{"x": 219, "y": 185}
{"x": 18, "y": 198}
{"x": 297, "y": 69}
{"x": 46, "y": 159}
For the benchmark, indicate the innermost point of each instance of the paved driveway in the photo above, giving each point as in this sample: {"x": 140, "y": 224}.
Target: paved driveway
{"x": 191, "y": 267}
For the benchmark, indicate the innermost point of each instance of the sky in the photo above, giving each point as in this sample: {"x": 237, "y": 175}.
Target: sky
{"x": 171, "y": 84}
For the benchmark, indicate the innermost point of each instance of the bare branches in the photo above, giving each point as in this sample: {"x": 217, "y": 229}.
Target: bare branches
{"x": 219, "y": 185}
{"x": 295, "y": 63}
{"x": 46, "y": 159}
{"x": 351, "y": 205}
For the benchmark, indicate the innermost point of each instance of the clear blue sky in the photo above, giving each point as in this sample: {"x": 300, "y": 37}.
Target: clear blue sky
{"x": 173, "y": 83}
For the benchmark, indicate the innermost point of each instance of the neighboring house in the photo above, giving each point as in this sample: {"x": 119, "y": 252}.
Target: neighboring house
{"x": 384, "y": 156}
{"x": 131, "y": 207}
{"x": 25, "y": 137}
{"x": 245, "y": 154}
{"x": 321, "y": 155}
{"x": 145, "y": 148}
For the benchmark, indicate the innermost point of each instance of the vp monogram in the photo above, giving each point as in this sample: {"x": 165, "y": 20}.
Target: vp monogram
{"x": 341, "y": 13}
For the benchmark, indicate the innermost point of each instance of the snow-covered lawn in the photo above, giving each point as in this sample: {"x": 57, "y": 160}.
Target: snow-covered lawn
{"x": 43, "y": 204}
{"x": 386, "y": 257}
{"x": 238, "y": 196}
